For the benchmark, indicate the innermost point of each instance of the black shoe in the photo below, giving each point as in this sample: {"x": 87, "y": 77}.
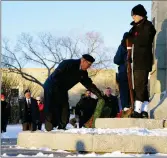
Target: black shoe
{"x": 62, "y": 126}
{"x": 136, "y": 115}
{"x": 48, "y": 125}
{"x": 144, "y": 114}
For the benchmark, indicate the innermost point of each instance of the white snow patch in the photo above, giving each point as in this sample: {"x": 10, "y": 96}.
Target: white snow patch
{"x": 62, "y": 151}
{"x": 12, "y": 131}
{"x": 123, "y": 131}
{"x": 117, "y": 154}
{"x": 44, "y": 149}
{"x": 40, "y": 154}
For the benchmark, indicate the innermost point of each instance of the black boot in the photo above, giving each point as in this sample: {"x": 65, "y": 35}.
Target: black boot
{"x": 144, "y": 114}
{"x": 136, "y": 115}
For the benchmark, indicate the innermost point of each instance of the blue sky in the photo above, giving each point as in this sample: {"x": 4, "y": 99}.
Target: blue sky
{"x": 110, "y": 18}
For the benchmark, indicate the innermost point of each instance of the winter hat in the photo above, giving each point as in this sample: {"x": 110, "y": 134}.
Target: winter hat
{"x": 88, "y": 58}
{"x": 26, "y": 91}
{"x": 139, "y": 10}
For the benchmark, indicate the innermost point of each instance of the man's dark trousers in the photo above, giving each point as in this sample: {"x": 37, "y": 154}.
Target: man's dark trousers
{"x": 57, "y": 108}
{"x": 141, "y": 85}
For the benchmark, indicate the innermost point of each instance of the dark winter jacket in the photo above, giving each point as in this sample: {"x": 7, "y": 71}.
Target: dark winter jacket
{"x": 120, "y": 59}
{"x": 111, "y": 103}
{"x": 68, "y": 74}
{"x": 25, "y": 116}
{"x": 85, "y": 109}
{"x": 5, "y": 110}
{"x": 142, "y": 36}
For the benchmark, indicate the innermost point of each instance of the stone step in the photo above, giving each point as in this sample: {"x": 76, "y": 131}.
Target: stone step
{"x": 129, "y": 123}
{"x": 92, "y": 141}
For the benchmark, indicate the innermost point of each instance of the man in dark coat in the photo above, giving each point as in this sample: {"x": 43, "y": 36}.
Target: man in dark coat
{"x": 66, "y": 75}
{"x": 120, "y": 59}
{"x": 5, "y": 113}
{"x": 85, "y": 108}
{"x": 142, "y": 35}
{"x": 111, "y": 107}
{"x": 29, "y": 112}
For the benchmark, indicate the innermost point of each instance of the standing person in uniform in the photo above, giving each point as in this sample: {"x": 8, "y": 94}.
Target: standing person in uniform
{"x": 66, "y": 75}
{"x": 141, "y": 35}
{"x": 120, "y": 59}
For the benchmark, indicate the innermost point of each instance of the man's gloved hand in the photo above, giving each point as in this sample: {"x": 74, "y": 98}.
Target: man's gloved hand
{"x": 96, "y": 91}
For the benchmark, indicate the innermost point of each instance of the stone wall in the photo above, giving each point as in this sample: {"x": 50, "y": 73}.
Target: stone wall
{"x": 158, "y": 78}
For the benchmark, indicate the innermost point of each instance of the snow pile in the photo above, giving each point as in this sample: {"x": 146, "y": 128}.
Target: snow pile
{"x": 123, "y": 131}
{"x": 40, "y": 154}
{"x": 116, "y": 154}
{"x": 13, "y": 131}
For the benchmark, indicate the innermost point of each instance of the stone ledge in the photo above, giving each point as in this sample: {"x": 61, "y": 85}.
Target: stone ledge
{"x": 93, "y": 142}
{"x": 56, "y": 140}
{"x": 130, "y": 143}
{"x": 128, "y": 123}
{"x": 157, "y": 106}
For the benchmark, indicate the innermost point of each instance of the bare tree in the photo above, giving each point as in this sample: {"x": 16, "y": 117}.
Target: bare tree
{"x": 48, "y": 51}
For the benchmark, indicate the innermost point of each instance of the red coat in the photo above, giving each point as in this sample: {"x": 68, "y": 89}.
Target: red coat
{"x": 41, "y": 108}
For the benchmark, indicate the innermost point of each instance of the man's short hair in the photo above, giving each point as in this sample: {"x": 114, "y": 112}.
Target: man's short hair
{"x": 108, "y": 87}
{"x": 27, "y": 91}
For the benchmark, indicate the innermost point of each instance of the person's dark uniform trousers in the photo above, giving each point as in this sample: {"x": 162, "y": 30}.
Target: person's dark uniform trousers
{"x": 66, "y": 75}
{"x": 142, "y": 35}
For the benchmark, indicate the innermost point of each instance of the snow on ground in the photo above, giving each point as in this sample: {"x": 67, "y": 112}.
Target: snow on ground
{"x": 117, "y": 154}
{"x": 40, "y": 154}
{"x": 123, "y": 131}
{"x": 13, "y": 130}
{"x": 113, "y": 154}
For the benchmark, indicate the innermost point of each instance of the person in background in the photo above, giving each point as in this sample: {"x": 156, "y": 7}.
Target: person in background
{"x": 5, "y": 113}
{"x": 41, "y": 111}
{"x": 85, "y": 108}
{"x": 29, "y": 112}
{"x": 111, "y": 107}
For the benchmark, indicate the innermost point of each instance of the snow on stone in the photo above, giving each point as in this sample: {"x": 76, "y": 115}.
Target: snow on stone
{"x": 13, "y": 131}
{"x": 40, "y": 154}
{"x": 123, "y": 131}
{"x": 117, "y": 154}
